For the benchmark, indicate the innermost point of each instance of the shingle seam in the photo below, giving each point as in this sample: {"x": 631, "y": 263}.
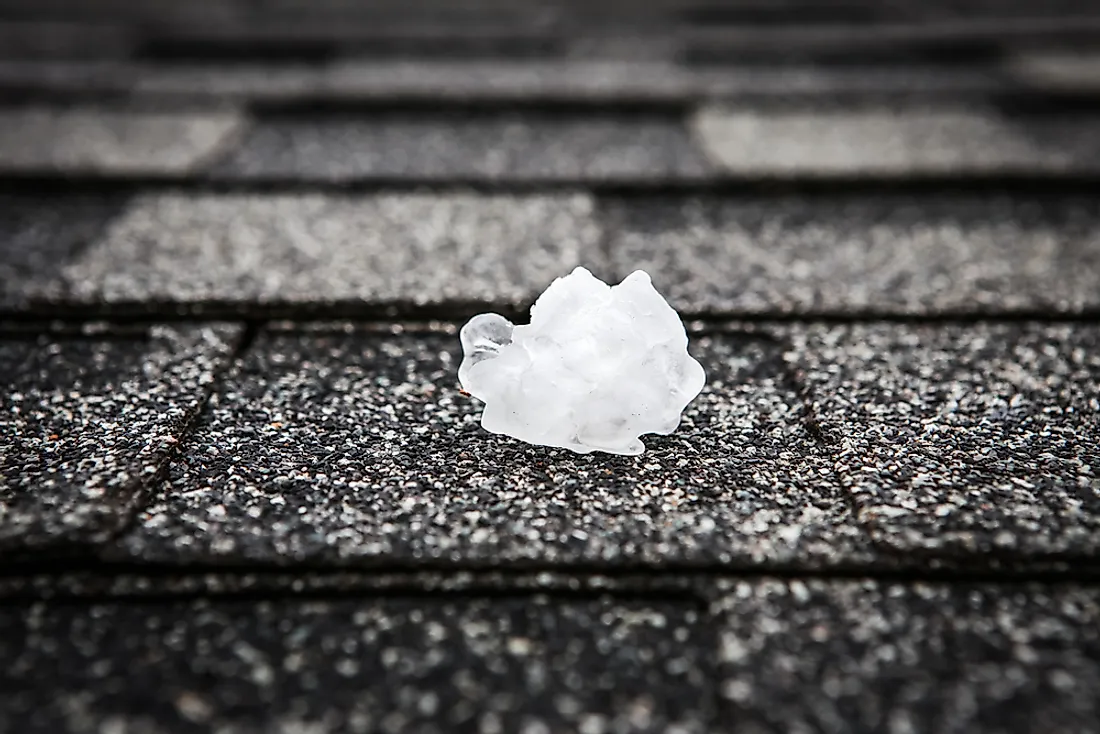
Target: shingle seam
{"x": 52, "y": 315}
{"x": 145, "y": 489}
{"x": 911, "y": 567}
{"x": 827, "y": 441}
{"x": 113, "y": 581}
{"x": 47, "y": 181}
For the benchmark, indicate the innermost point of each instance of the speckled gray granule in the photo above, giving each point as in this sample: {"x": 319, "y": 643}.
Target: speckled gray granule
{"x": 88, "y": 421}
{"x": 898, "y": 141}
{"x": 156, "y": 582}
{"x": 975, "y": 441}
{"x": 113, "y": 141}
{"x": 38, "y": 235}
{"x": 492, "y": 147}
{"x": 862, "y": 253}
{"x": 848, "y": 657}
{"x": 316, "y": 248}
{"x": 571, "y": 79}
{"x": 357, "y": 447}
{"x": 513, "y": 664}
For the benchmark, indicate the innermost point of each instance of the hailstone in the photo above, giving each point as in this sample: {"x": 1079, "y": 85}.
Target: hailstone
{"x": 596, "y": 368}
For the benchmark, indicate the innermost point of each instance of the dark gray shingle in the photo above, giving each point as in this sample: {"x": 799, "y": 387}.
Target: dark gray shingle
{"x": 867, "y": 656}
{"x": 977, "y": 441}
{"x": 860, "y": 253}
{"x": 110, "y": 142}
{"x": 916, "y": 141}
{"x": 480, "y": 147}
{"x": 357, "y": 448}
{"x": 87, "y": 423}
{"x": 256, "y": 250}
{"x": 519, "y": 664}
{"x": 40, "y": 234}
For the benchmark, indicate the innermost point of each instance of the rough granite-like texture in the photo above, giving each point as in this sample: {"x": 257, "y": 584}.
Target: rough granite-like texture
{"x": 879, "y": 253}
{"x": 87, "y": 421}
{"x": 964, "y": 441}
{"x": 470, "y": 146}
{"x": 315, "y": 248}
{"x": 887, "y": 142}
{"x": 38, "y": 235}
{"x": 864, "y": 656}
{"x": 513, "y": 664}
{"x": 88, "y": 140}
{"x": 357, "y": 448}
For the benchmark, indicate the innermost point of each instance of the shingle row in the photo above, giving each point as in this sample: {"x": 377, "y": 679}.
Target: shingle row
{"x": 768, "y": 655}
{"x": 812, "y": 446}
{"x": 639, "y": 147}
{"x": 609, "y": 73}
{"x": 835, "y": 254}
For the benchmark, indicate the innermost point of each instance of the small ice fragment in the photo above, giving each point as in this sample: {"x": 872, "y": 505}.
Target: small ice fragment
{"x": 597, "y": 367}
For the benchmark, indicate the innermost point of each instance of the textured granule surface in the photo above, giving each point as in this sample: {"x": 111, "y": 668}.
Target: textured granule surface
{"x": 242, "y": 490}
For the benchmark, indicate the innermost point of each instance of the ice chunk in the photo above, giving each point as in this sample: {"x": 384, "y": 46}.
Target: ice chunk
{"x": 597, "y": 367}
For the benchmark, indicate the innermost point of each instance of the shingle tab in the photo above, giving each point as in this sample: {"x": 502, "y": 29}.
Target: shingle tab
{"x": 356, "y": 448}
{"x": 470, "y": 146}
{"x": 293, "y": 249}
{"x": 88, "y": 140}
{"x": 746, "y": 84}
{"x": 860, "y": 253}
{"x": 88, "y": 421}
{"x": 39, "y": 234}
{"x": 866, "y": 656}
{"x": 65, "y": 78}
{"x": 502, "y": 81}
{"x": 518, "y": 664}
{"x": 36, "y": 39}
{"x": 248, "y": 81}
{"x": 579, "y": 81}
{"x": 896, "y": 142}
{"x": 978, "y": 441}
{"x": 1064, "y": 71}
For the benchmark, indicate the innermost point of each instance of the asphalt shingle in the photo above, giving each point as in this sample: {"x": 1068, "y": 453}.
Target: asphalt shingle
{"x": 865, "y": 656}
{"x": 578, "y": 81}
{"x": 754, "y": 85}
{"x": 39, "y": 234}
{"x": 65, "y": 79}
{"x": 571, "y": 80}
{"x": 514, "y": 664}
{"x": 860, "y": 253}
{"x": 108, "y": 142}
{"x": 53, "y": 40}
{"x": 896, "y": 142}
{"x": 352, "y": 447}
{"x": 87, "y": 423}
{"x": 474, "y": 146}
{"x": 973, "y": 441}
{"x": 1060, "y": 72}
{"x": 257, "y": 250}
{"x": 237, "y": 81}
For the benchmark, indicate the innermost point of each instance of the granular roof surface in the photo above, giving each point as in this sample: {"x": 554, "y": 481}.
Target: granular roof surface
{"x": 241, "y": 491}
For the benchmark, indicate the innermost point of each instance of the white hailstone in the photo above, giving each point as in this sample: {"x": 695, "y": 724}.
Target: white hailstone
{"x": 597, "y": 367}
